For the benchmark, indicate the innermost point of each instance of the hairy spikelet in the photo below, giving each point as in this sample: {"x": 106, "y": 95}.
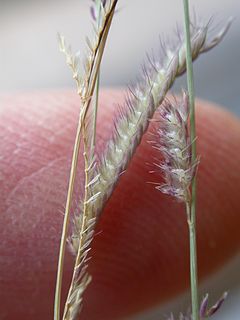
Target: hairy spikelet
{"x": 174, "y": 143}
{"x": 140, "y": 107}
{"x": 81, "y": 277}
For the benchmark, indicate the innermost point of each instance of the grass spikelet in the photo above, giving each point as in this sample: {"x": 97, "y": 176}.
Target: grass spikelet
{"x": 175, "y": 146}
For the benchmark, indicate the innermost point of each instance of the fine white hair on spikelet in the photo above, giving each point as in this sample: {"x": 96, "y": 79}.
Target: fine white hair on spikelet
{"x": 174, "y": 143}
{"x": 140, "y": 107}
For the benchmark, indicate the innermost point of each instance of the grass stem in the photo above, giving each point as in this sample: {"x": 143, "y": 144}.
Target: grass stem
{"x": 66, "y": 222}
{"x": 191, "y": 208}
{"x": 98, "y": 5}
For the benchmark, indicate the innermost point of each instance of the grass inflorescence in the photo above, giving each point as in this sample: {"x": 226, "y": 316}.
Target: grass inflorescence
{"x": 102, "y": 174}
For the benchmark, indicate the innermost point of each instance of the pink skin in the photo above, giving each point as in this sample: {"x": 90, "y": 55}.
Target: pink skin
{"x": 140, "y": 252}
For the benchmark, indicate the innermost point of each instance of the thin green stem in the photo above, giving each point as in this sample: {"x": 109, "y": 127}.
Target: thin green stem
{"x": 193, "y": 262}
{"x": 192, "y": 207}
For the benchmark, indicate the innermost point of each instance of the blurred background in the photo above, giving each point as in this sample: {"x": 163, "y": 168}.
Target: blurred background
{"x": 30, "y": 60}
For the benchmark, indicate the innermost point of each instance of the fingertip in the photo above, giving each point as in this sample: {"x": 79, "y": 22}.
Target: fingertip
{"x": 140, "y": 251}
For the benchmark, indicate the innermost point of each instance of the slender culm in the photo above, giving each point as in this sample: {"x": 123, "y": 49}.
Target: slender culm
{"x": 191, "y": 204}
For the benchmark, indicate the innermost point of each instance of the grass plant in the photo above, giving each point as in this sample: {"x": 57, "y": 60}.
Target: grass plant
{"x": 101, "y": 174}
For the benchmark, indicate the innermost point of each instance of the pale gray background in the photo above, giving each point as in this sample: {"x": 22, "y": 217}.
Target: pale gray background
{"x": 30, "y": 60}
{"x": 29, "y": 57}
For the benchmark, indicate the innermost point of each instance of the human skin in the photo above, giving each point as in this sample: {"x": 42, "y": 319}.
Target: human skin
{"x": 140, "y": 250}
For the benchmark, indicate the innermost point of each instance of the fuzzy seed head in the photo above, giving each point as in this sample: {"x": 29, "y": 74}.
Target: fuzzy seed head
{"x": 176, "y": 149}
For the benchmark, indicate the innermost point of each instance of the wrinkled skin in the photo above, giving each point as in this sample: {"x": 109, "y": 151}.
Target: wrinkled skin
{"x": 140, "y": 251}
